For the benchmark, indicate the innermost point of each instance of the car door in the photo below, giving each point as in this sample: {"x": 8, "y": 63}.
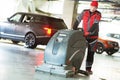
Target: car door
{"x": 8, "y": 28}
{"x": 22, "y": 28}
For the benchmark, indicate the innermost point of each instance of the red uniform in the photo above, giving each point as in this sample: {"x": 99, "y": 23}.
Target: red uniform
{"x": 89, "y": 19}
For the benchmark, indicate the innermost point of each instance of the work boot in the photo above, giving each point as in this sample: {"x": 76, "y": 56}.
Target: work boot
{"x": 88, "y": 69}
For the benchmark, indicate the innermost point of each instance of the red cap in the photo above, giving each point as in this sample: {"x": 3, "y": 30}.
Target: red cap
{"x": 94, "y": 3}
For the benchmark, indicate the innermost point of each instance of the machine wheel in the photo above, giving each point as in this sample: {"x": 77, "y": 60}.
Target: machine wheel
{"x": 109, "y": 52}
{"x": 15, "y": 42}
{"x": 100, "y": 48}
{"x": 30, "y": 41}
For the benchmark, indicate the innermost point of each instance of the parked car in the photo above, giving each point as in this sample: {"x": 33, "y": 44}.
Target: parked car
{"x": 114, "y": 35}
{"x": 107, "y": 45}
{"x": 33, "y": 29}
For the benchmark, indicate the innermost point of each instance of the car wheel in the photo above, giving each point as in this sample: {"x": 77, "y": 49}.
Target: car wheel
{"x": 100, "y": 48}
{"x": 15, "y": 42}
{"x": 109, "y": 52}
{"x": 30, "y": 41}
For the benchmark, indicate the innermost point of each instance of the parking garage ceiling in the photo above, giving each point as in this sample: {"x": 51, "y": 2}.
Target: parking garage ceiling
{"x": 40, "y": 5}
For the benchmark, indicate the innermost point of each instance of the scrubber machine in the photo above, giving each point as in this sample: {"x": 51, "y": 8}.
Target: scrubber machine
{"x": 64, "y": 50}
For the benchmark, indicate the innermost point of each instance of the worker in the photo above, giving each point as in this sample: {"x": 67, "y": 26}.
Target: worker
{"x": 91, "y": 18}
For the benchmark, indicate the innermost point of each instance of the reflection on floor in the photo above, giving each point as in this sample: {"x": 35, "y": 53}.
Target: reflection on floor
{"x": 18, "y": 63}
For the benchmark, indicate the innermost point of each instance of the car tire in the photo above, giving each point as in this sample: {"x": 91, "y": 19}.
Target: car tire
{"x": 15, "y": 42}
{"x": 30, "y": 41}
{"x": 100, "y": 48}
{"x": 109, "y": 52}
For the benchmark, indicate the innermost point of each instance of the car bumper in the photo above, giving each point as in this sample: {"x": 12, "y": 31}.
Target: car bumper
{"x": 113, "y": 49}
{"x": 43, "y": 40}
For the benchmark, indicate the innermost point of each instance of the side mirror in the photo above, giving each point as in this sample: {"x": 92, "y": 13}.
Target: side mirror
{"x": 8, "y": 19}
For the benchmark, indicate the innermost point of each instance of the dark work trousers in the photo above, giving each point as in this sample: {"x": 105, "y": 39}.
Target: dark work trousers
{"x": 90, "y": 53}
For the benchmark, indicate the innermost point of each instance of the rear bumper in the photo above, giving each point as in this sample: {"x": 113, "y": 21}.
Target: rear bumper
{"x": 43, "y": 40}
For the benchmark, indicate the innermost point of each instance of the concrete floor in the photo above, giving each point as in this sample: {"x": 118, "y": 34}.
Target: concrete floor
{"x": 17, "y": 63}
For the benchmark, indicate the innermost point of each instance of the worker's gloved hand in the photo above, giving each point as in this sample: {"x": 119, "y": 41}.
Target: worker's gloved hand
{"x": 86, "y": 34}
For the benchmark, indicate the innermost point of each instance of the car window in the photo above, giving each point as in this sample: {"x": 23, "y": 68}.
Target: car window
{"x": 116, "y": 36}
{"x": 27, "y": 18}
{"x": 15, "y": 18}
{"x": 57, "y": 24}
{"x": 38, "y": 19}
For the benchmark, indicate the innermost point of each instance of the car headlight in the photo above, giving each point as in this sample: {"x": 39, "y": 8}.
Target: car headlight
{"x": 110, "y": 43}
{"x": 113, "y": 43}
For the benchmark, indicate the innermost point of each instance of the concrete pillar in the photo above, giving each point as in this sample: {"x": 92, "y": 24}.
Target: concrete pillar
{"x": 31, "y": 6}
{"x": 69, "y": 12}
{"x": 25, "y": 6}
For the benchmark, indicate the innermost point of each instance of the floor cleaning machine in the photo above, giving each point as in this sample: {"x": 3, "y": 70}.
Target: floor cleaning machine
{"x": 64, "y": 50}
